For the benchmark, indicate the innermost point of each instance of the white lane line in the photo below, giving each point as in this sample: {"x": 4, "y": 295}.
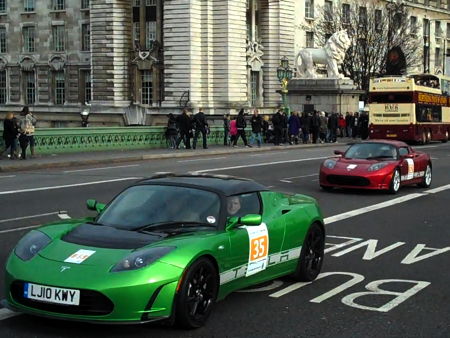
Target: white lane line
{"x": 5, "y": 314}
{"x": 19, "y": 229}
{"x": 202, "y": 159}
{"x": 9, "y": 176}
{"x": 435, "y": 158}
{"x": 265, "y": 154}
{"x": 424, "y": 147}
{"x": 103, "y": 168}
{"x": 263, "y": 164}
{"x": 360, "y": 211}
{"x": 316, "y": 180}
{"x": 63, "y": 215}
{"x": 10, "y": 192}
{"x": 27, "y": 217}
{"x": 303, "y": 176}
{"x": 285, "y": 181}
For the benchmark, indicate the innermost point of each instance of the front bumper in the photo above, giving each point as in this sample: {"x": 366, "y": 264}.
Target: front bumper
{"x": 125, "y": 297}
{"x": 380, "y": 180}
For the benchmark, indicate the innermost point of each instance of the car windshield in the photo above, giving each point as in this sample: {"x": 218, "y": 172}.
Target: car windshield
{"x": 151, "y": 206}
{"x": 371, "y": 151}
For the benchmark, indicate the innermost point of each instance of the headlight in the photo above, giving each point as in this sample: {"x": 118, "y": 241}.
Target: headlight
{"x": 31, "y": 244}
{"x": 330, "y": 164}
{"x": 377, "y": 166}
{"x": 141, "y": 258}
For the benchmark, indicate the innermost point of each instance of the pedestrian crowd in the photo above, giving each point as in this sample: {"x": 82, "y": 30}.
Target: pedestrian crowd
{"x": 18, "y": 134}
{"x": 280, "y": 128}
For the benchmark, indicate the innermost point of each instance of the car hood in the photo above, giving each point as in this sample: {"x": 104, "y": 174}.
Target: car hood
{"x": 357, "y": 164}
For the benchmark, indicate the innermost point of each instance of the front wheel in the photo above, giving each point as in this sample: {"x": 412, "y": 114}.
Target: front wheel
{"x": 197, "y": 295}
{"x": 395, "y": 182}
{"x": 427, "y": 178}
{"x": 311, "y": 256}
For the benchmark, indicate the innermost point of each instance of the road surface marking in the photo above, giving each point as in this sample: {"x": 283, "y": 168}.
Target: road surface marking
{"x": 202, "y": 159}
{"x": 10, "y": 192}
{"x": 303, "y": 176}
{"x": 262, "y": 164}
{"x": 63, "y": 215}
{"x": 10, "y": 176}
{"x": 103, "y": 168}
{"x": 5, "y": 314}
{"x": 424, "y": 147}
{"x": 19, "y": 229}
{"x": 27, "y": 217}
{"x": 382, "y": 205}
{"x": 285, "y": 181}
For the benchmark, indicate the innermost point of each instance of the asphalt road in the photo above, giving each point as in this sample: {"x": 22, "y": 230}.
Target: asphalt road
{"x": 402, "y": 247}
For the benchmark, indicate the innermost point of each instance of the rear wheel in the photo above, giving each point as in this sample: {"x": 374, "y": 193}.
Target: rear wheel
{"x": 445, "y": 137}
{"x": 197, "y": 294}
{"x": 429, "y": 136}
{"x": 427, "y": 178}
{"x": 395, "y": 182}
{"x": 311, "y": 256}
{"x": 423, "y": 139}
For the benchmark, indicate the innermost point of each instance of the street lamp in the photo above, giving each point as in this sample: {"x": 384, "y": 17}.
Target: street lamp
{"x": 84, "y": 118}
{"x": 285, "y": 73}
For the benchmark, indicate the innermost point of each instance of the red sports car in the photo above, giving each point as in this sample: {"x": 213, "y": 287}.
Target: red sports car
{"x": 377, "y": 165}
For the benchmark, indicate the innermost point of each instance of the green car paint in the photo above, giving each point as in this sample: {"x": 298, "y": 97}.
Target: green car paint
{"x": 149, "y": 293}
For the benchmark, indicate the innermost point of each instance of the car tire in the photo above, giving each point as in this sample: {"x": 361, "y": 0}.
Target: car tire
{"x": 423, "y": 140}
{"x": 445, "y": 140}
{"x": 326, "y": 188}
{"x": 394, "y": 187}
{"x": 427, "y": 178}
{"x": 197, "y": 294}
{"x": 311, "y": 256}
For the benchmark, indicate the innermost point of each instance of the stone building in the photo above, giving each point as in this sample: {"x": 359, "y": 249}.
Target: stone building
{"x": 135, "y": 61}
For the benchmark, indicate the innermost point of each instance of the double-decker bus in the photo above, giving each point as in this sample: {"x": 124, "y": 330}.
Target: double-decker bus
{"x": 410, "y": 108}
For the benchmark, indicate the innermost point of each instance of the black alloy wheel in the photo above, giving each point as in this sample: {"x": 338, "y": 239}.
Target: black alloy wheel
{"x": 197, "y": 294}
{"x": 311, "y": 256}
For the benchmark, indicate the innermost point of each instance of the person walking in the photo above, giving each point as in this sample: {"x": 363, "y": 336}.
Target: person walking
{"x": 277, "y": 121}
{"x": 342, "y": 125}
{"x": 355, "y": 126}
{"x": 27, "y": 129}
{"x": 333, "y": 126}
{"x": 172, "y": 131}
{"x": 201, "y": 126}
{"x": 241, "y": 124}
{"x": 226, "y": 130}
{"x": 348, "y": 123}
{"x": 294, "y": 128}
{"x": 257, "y": 125}
{"x": 323, "y": 131}
{"x": 285, "y": 129}
{"x": 364, "y": 125}
{"x": 233, "y": 131}
{"x": 10, "y": 133}
{"x": 305, "y": 122}
{"x": 184, "y": 126}
{"x": 315, "y": 126}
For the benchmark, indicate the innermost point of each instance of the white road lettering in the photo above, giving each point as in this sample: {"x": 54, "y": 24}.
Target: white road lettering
{"x": 413, "y": 257}
{"x": 275, "y": 284}
{"x": 371, "y": 251}
{"x": 374, "y": 289}
{"x": 333, "y": 247}
{"x": 356, "y": 278}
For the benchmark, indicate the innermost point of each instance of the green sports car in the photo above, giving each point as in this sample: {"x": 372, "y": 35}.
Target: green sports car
{"x": 167, "y": 247}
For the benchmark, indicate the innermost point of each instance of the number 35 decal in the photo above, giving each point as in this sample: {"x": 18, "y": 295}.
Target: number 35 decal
{"x": 258, "y": 249}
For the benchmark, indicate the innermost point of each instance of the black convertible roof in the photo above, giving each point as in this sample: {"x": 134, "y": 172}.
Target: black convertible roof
{"x": 226, "y": 185}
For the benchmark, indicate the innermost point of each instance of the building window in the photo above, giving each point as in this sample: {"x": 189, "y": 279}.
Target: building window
{"x": 3, "y": 88}
{"x": 28, "y": 39}
{"x": 30, "y": 87}
{"x": 28, "y": 5}
{"x": 378, "y": 20}
{"x": 255, "y": 87}
{"x": 150, "y": 28}
{"x": 437, "y": 30}
{"x": 328, "y": 10}
{"x": 147, "y": 87}
{"x": 2, "y": 39}
{"x": 58, "y": 38}
{"x": 85, "y": 37}
{"x": 437, "y": 58}
{"x": 85, "y": 4}
{"x": 309, "y": 9}
{"x": 150, "y": 2}
{"x": 426, "y": 27}
{"x": 362, "y": 16}
{"x": 60, "y": 88}
{"x": 136, "y": 32}
{"x": 309, "y": 40}
{"x": 346, "y": 13}
{"x": 413, "y": 24}
{"x": 2, "y": 6}
{"x": 59, "y": 5}
{"x": 87, "y": 87}
{"x": 448, "y": 30}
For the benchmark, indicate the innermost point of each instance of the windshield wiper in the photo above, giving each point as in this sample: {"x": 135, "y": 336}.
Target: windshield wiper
{"x": 172, "y": 224}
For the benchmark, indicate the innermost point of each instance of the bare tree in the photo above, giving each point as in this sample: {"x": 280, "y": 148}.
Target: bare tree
{"x": 374, "y": 28}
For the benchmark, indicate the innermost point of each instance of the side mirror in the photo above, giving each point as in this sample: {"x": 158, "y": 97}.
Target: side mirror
{"x": 338, "y": 152}
{"x": 250, "y": 220}
{"x": 95, "y": 206}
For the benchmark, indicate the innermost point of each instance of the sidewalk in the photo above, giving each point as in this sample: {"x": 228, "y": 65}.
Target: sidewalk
{"x": 111, "y": 157}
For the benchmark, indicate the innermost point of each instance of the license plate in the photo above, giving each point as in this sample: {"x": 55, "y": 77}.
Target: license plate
{"x": 391, "y": 135}
{"x": 51, "y": 294}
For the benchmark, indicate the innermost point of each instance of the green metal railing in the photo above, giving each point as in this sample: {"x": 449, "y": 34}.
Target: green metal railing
{"x": 68, "y": 140}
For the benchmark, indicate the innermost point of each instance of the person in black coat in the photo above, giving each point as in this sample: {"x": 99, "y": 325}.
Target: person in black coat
{"x": 226, "y": 130}
{"x": 277, "y": 121}
{"x": 315, "y": 126}
{"x": 10, "y": 132}
{"x": 184, "y": 126}
{"x": 364, "y": 126}
{"x": 333, "y": 126}
{"x": 257, "y": 125}
{"x": 305, "y": 122}
{"x": 201, "y": 126}
{"x": 172, "y": 131}
{"x": 241, "y": 124}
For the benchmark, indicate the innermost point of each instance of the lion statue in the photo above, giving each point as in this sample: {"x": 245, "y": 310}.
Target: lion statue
{"x": 332, "y": 55}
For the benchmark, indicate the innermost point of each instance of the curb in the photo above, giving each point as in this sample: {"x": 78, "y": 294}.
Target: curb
{"x": 174, "y": 154}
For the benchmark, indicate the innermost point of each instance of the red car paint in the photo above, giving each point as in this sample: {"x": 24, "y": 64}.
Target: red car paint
{"x": 354, "y": 173}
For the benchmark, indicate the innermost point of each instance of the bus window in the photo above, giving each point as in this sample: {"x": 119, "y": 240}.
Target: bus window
{"x": 428, "y": 113}
{"x": 391, "y": 98}
{"x": 445, "y": 87}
